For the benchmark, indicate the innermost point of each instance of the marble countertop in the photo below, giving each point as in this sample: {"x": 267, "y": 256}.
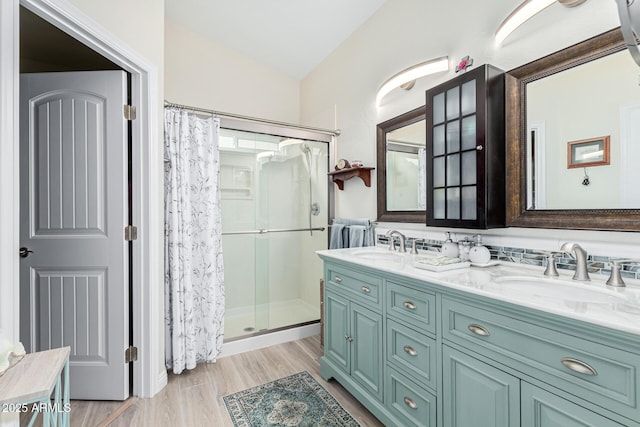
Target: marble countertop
{"x": 593, "y": 301}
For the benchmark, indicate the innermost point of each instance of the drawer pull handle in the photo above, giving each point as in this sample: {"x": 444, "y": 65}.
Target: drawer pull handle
{"x": 478, "y": 330}
{"x": 338, "y": 279}
{"x": 410, "y": 350}
{"x": 578, "y": 366}
{"x": 365, "y": 289}
{"x": 409, "y": 305}
{"x": 410, "y": 403}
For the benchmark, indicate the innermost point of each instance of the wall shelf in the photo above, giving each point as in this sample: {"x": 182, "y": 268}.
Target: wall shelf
{"x": 340, "y": 176}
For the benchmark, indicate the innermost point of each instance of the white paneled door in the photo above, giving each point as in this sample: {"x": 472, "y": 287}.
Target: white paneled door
{"x": 74, "y": 269}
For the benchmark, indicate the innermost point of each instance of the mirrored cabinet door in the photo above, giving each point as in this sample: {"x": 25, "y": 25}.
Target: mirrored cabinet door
{"x": 465, "y": 150}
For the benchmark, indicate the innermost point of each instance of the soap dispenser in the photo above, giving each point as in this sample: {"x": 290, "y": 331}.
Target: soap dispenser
{"x": 479, "y": 254}
{"x": 449, "y": 248}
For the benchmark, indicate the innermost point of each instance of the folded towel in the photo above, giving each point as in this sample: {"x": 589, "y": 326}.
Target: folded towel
{"x": 439, "y": 260}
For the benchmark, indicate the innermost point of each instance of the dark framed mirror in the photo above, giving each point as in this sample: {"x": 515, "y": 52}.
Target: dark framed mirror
{"x": 583, "y": 93}
{"x": 401, "y": 167}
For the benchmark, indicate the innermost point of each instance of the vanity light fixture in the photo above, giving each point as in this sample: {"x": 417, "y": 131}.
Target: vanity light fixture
{"x": 519, "y": 16}
{"x": 524, "y": 12}
{"x": 629, "y": 12}
{"x": 571, "y": 3}
{"x": 406, "y": 78}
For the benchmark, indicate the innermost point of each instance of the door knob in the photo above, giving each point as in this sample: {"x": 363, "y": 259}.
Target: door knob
{"x": 24, "y": 252}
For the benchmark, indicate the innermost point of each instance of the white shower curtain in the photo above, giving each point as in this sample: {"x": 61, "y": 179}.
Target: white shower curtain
{"x": 194, "y": 274}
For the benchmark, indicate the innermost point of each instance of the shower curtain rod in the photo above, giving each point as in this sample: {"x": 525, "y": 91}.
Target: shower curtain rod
{"x": 253, "y": 119}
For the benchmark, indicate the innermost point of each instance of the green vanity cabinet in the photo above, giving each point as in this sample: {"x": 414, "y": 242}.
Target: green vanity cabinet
{"x": 478, "y": 394}
{"x": 353, "y": 332}
{"x": 575, "y": 359}
{"x": 353, "y": 341}
{"x": 384, "y": 353}
{"x": 420, "y": 354}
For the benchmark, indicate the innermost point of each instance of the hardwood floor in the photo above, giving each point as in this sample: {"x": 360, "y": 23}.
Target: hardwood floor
{"x": 195, "y": 397}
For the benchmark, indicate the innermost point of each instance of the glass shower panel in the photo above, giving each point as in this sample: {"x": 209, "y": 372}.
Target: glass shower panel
{"x": 271, "y": 271}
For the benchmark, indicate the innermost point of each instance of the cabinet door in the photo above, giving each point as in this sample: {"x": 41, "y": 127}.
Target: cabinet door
{"x": 465, "y": 150}
{"x": 336, "y": 329}
{"x": 366, "y": 348}
{"x": 454, "y": 152}
{"x": 543, "y": 409}
{"x": 476, "y": 394}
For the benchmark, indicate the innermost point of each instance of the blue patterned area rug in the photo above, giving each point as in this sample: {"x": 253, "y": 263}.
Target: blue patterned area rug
{"x": 296, "y": 400}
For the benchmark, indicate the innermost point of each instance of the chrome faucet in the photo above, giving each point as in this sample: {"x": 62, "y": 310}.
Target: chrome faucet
{"x": 580, "y": 256}
{"x": 392, "y": 246}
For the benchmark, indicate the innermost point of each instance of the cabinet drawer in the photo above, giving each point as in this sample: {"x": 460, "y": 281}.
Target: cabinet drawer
{"x": 412, "y": 306}
{"x": 364, "y": 285}
{"x": 407, "y": 401}
{"x": 412, "y": 353}
{"x": 593, "y": 371}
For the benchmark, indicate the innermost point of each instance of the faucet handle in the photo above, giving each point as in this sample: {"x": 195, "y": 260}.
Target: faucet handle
{"x": 615, "y": 278}
{"x": 392, "y": 244}
{"x": 414, "y": 249}
{"x": 551, "y": 265}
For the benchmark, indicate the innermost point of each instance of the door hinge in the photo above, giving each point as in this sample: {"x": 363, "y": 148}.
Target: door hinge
{"x": 129, "y": 112}
{"x": 130, "y": 233}
{"x": 131, "y": 354}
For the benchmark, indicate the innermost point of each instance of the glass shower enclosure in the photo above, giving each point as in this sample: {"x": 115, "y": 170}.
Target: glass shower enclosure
{"x": 274, "y": 195}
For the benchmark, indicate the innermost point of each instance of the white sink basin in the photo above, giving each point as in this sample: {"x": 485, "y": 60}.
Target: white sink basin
{"x": 559, "y": 289}
{"x": 379, "y": 255}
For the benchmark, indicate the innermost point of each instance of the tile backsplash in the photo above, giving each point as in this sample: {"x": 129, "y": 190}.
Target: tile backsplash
{"x": 597, "y": 264}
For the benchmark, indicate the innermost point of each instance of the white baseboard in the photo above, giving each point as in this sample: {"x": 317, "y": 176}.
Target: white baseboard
{"x": 266, "y": 340}
{"x": 161, "y": 381}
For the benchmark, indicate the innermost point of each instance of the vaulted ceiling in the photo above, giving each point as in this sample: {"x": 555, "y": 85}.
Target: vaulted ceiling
{"x": 291, "y": 36}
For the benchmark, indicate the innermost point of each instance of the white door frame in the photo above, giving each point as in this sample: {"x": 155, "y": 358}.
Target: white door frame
{"x": 149, "y": 373}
